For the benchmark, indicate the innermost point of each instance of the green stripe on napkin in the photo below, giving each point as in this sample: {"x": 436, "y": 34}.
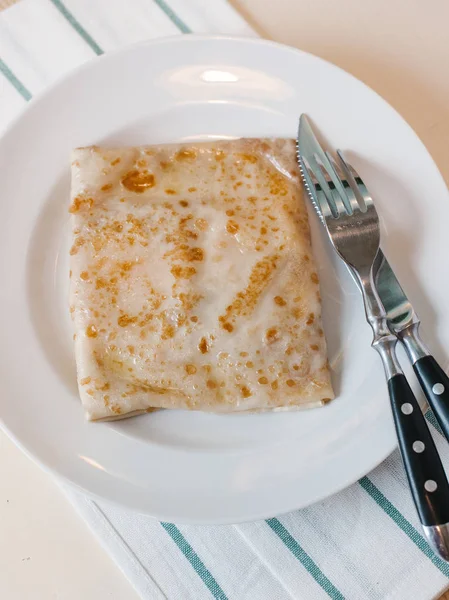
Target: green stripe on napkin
{"x": 77, "y": 26}
{"x": 195, "y": 561}
{"x": 307, "y": 562}
{"x": 14, "y": 80}
{"x": 173, "y": 16}
{"x": 403, "y": 524}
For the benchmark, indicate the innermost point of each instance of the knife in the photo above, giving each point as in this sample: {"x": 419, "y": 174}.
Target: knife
{"x": 404, "y": 323}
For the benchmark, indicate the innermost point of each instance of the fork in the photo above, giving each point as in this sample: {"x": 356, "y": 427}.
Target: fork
{"x": 352, "y": 224}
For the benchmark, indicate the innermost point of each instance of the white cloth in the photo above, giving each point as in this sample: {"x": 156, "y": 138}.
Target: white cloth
{"x": 362, "y": 544}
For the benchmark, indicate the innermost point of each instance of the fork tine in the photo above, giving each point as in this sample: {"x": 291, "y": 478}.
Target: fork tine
{"x": 350, "y": 196}
{"x": 328, "y": 188}
{"x": 356, "y": 183}
{"x": 367, "y": 198}
{"x": 313, "y": 188}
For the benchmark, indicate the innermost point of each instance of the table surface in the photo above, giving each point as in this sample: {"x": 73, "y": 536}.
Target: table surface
{"x": 398, "y": 48}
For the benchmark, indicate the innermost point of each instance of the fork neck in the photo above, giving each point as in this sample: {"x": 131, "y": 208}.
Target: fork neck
{"x": 383, "y": 340}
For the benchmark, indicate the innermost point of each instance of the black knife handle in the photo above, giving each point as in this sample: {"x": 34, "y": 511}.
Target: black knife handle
{"x": 425, "y": 473}
{"x": 435, "y": 385}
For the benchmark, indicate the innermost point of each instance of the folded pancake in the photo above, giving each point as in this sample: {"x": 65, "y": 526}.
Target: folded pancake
{"x": 193, "y": 284}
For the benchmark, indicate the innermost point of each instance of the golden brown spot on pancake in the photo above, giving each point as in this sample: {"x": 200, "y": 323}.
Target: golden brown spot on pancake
{"x": 125, "y": 267}
{"x": 116, "y": 409}
{"x": 189, "y": 300}
{"x": 246, "y": 301}
{"x": 170, "y": 192}
{"x": 192, "y": 189}
{"x": 219, "y": 155}
{"x": 296, "y": 367}
{"x": 106, "y": 187}
{"x": 246, "y": 393}
{"x": 314, "y": 347}
{"x": 103, "y": 388}
{"x": 298, "y": 313}
{"x": 314, "y": 278}
{"x": 184, "y": 203}
{"x": 138, "y": 181}
{"x": 320, "y": 332}
{"x": 249, "y": 365}
{"x": 203, "y": 346}
{"x": 290, "y": 382}
{"x": 131, "y": 349}
{"x": 230, "y": 213}
{"x": 186, "y": 154}
{"x": 80, "y": 203}
{"x": 271, "y": 335}
{"x": 274, "y": 385}
{"x": 85, "y": 381}
{"x": 227, "y": 326}
{"x": 168, "y": 331}
{"x": 84, "y": 275}
{"x": 91, "y": 331}
{"x": 263, "y": 230}
{"x": 122, "y": 199}
{"x": 182, "y": 272}
{"x": 232, "y": 227}
{"x": 126, "y": 320}
{"x": 280, "y": 301}
{"x": 263, "y": 380}
{"x": 310, "y": 319}
{"x": 115, "y": 161}
{"x": 194, "y": 319}
{"x": 106, "y": 400}
{"x": 141, "y": 162}
{"x": 195, "y": 254}
{"x": 243, "y": 354}
{"x": 201, "y": 224}
{"x": 278, "y": 185}
{"x": 90, "y": 393}
{"x": 190, "y": 369}
{"x": 182, "y": 234}
{"x": 248, "y": 157}
{"x": 211, "y": 384}
{"x": 101, "y": 283}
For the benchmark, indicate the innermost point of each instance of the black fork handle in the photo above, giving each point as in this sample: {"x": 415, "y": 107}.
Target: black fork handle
{"x": 425, "y": 472}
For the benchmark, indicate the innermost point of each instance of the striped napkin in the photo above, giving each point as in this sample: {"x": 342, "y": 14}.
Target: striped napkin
{"x": 362, "y": 544}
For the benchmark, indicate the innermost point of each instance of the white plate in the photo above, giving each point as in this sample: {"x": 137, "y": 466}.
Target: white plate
{"x": 192, "y": 467}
